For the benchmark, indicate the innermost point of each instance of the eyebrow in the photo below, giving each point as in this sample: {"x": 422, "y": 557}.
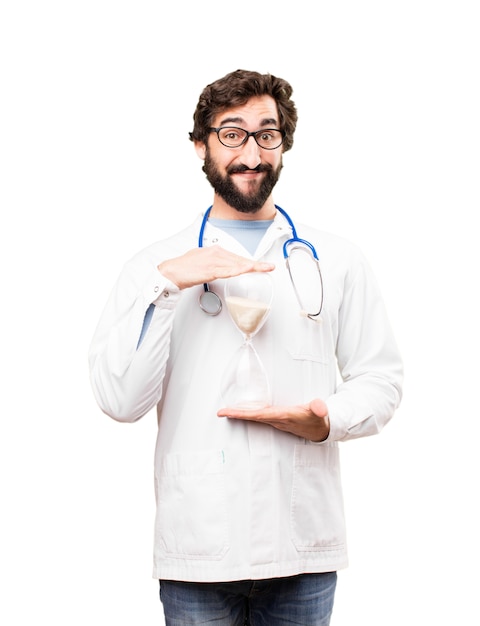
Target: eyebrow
{"x": 266, "y": 122}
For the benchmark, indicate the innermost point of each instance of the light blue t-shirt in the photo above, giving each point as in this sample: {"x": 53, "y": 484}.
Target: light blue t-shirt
{"x": 247, "y": 232}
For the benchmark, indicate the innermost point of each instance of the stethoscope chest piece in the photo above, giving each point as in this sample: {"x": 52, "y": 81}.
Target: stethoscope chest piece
{"x": 210, "y": 302}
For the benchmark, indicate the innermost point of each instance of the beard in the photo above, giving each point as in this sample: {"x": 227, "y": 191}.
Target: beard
{"x": 225, "y": 187}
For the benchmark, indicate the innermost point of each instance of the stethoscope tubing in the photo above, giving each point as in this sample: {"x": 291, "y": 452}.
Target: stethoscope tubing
{"x": 295, "y": 238}
{"x": 209, "y": 301}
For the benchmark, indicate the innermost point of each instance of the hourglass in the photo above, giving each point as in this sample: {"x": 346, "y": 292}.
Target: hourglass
{"x": 248, "y": 298}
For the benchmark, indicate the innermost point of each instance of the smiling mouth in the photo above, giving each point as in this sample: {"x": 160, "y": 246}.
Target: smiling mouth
{"x": 247, "y": 174}
{"x": 243, "y": 169}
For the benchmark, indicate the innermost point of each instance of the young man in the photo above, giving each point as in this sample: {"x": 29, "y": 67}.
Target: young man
{"x": 250, "y": 523}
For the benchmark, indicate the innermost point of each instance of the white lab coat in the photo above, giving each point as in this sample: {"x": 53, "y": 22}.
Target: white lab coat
{"x": 241, "y": 500}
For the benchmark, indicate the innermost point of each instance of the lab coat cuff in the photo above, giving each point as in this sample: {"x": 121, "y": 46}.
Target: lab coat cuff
{"x": 338, "y": 426}
{"x": 162, "y": 292}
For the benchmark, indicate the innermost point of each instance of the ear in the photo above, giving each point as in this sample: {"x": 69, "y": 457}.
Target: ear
{"x": 200, "y": 149}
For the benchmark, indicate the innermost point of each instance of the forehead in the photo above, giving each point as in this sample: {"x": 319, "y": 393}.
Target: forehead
{"x": 258, "y": 112}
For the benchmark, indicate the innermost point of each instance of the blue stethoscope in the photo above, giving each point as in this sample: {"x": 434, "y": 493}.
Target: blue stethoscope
{"x": 211, "y": 303}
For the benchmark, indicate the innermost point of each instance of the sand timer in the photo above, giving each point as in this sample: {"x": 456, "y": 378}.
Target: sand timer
{"x": 248, "y": 299}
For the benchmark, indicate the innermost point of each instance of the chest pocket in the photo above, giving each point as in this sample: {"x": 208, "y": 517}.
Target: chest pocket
{"x": 309, "y": 340}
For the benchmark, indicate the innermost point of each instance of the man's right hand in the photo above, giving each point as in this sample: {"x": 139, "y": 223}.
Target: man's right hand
{"x": 204, "y": 265}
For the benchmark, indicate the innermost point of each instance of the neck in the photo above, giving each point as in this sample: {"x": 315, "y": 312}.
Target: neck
{"x": 222, "y": 210}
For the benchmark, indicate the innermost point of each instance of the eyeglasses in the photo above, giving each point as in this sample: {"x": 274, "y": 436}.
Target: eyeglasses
{"x": 233, "y": 137}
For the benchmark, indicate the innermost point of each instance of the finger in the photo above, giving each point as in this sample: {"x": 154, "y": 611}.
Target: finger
{"x": 263, "y": 266}
{"x": 243, "y": 414}
{"x": 244, "y": 266}
{"x": 236, "y": 413}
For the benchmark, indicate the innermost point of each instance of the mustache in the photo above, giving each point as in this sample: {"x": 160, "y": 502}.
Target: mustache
{"x": 238, "y": 169}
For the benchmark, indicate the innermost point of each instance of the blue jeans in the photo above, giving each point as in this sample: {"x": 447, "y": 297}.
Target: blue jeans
{"x": 305, "y": 600}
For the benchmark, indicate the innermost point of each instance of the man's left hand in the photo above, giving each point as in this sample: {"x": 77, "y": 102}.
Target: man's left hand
{"x": 309, "y": 421}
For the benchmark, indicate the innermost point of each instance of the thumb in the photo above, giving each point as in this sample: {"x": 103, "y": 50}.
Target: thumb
{"x": 319, "y": 407}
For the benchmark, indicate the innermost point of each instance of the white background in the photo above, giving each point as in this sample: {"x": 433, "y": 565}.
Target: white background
{"x": 96, "y": 103}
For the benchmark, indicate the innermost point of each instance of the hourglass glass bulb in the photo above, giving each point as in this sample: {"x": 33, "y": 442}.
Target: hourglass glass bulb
{"x": 248, "y": 298}
{"x": 245, "y": 383}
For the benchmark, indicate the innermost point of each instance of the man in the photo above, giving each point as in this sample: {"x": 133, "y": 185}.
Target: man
{"x": 250, "y": 524}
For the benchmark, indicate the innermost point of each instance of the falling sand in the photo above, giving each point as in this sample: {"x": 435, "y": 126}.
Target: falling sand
{"x": 247, "y": 314}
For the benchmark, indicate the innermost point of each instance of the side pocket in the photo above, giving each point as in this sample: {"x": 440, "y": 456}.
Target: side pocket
{"x": 317, "y": 516}
{"x": 191, "y": 509}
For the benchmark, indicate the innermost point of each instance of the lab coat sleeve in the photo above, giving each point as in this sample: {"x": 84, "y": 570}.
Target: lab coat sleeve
{"x": 368, "y": 360}
{"x": 126, "y": 381}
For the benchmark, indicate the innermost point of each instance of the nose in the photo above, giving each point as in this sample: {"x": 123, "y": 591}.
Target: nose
{"x": 251, "y": 153}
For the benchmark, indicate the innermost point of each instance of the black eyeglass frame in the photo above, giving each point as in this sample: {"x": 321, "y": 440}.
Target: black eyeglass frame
{"x": 248, "y": 135}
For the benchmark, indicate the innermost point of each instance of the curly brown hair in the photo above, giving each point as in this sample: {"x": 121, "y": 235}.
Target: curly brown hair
{"x": 236, "y": 89}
